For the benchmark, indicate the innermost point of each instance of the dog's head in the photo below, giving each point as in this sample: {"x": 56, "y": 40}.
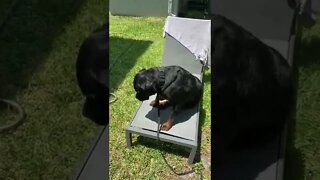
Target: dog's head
{"x": 144, "y": 84}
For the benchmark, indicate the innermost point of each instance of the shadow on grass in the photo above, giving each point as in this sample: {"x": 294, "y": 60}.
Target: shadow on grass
{"x": 206, "y": 79}
{"x": 123, "y": 56}
{"x": 294, "y": 168}
{"x": 294, "y": 159}
{"x": 307, "y": 56}
{"x": 26, "y": 40}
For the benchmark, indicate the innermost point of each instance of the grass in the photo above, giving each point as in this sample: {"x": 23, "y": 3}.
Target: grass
{"x": 39, "y": 45}
{"x": 136, "y": 43}
{"x": 303, "y": 152}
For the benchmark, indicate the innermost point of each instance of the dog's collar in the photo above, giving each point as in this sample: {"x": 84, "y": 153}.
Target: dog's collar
{"x": 161, "y": 79}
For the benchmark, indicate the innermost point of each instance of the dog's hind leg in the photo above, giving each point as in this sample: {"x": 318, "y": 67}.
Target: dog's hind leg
{"x": 169, "y": 123}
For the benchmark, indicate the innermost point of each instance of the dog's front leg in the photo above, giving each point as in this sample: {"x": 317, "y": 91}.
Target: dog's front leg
{"x": 164, "y": 104}
{"x": 155, "y": 103}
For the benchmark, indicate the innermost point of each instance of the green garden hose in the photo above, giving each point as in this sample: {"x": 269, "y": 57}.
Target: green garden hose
{"x": 114, "y": 98}
{"x": 19, "y": 120}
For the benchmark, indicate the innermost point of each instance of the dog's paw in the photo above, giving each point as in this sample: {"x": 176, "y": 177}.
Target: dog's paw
{"x": 166, "y": 126}
{"x": 153, "y": 103}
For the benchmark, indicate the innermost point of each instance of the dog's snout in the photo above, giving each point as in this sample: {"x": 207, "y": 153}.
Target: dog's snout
{"x": 138, "y": 97}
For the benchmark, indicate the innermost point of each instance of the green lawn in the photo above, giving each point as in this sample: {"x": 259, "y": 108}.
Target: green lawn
{"x": 39, "y": 45}
{"x": 137, "y": 43}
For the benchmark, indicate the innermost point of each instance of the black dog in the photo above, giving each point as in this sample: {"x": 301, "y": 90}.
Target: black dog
{"x": 92, "y": 75}
{"x": 252, "y": 86}
{"x": 174, "y": 85}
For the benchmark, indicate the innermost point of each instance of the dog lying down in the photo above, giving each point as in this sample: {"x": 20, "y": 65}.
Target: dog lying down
{"x": 92, "y": 75}
{"x": 174, "y": 86}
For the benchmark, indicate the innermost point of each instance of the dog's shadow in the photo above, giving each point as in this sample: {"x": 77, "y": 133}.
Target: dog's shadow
{"x": 183, "y": 116}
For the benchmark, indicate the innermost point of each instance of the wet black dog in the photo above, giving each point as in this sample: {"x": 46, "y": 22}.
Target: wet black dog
{"x": 252, "y": 86}
{"x": 92, "y": 75}
{"x": 174, "y": 85}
